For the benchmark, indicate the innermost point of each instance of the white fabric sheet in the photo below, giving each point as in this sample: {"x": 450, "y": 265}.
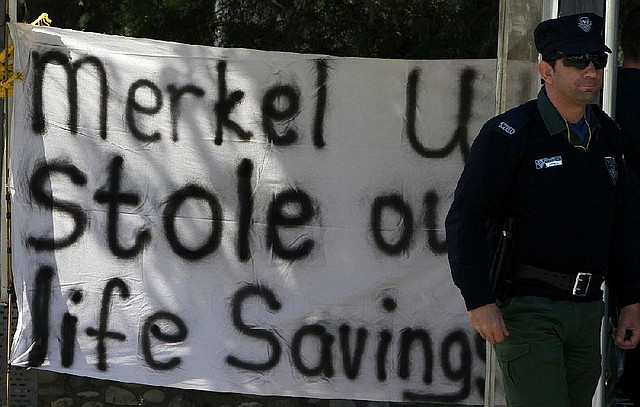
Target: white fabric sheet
{"x": 241, "y": 221}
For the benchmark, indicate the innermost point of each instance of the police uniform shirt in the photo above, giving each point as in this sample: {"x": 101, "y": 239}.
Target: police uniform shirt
{"x": 564, "y": 193}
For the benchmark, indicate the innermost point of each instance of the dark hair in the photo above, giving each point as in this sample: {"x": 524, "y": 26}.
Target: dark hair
{"x": 552, "y": 58}
{"x": 630, "y": 36}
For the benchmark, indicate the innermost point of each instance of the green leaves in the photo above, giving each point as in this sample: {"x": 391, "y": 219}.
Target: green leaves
{"x": 410, "y": 29}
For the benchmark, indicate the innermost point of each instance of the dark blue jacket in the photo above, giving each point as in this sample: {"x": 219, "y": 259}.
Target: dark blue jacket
{"x": 567, "y": 202}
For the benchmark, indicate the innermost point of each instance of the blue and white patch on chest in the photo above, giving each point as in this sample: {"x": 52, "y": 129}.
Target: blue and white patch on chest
{"x": 542, "y": 163}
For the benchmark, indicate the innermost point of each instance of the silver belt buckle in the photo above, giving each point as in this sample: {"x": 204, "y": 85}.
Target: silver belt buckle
{"x": 581, "y": 286}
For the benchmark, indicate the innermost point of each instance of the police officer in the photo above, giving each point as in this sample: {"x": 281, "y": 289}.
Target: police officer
{"x": 554, "y": 166}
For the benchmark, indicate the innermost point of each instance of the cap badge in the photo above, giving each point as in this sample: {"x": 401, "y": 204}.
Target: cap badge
{"x": 585, "y": 24}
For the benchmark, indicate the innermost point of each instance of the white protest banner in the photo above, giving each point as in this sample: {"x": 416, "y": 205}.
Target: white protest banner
{"x": 241, "y": 221}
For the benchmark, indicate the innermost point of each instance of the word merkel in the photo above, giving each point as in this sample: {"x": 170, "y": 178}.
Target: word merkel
{"x": 280, "y": 103}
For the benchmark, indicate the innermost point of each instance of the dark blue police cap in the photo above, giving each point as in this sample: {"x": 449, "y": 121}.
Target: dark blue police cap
{"x": 571, "y": 35}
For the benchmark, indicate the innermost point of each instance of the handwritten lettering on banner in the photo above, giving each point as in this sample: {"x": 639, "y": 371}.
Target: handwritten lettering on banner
{"x": 241, "y": 221}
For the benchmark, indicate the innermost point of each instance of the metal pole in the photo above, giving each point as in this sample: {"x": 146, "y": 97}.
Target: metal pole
{"x": 3, "y": 146}
{"x": 4, "y": 168}
{"x": 550, "y": 9}
{"x": 501, "y": 68}
{"x": 611, "y": 13}
{"x": 490, "y": 377}
{"x": 503, "y": 49}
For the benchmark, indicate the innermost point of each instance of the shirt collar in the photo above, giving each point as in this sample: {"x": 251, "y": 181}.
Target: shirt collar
{"x": 553, "y": 120}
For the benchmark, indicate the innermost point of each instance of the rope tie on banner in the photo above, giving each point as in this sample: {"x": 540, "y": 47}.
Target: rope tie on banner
{"x": 6, "y": 70}
{"x": 42, "y": 20}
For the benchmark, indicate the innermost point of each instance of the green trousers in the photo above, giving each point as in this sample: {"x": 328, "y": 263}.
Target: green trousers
{"x": 551, "y": 357}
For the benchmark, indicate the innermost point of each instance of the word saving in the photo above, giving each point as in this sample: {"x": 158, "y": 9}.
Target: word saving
{"x": 455, "y": 351}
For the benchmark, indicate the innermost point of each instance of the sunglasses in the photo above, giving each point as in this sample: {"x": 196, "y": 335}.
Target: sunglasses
{"x": 599, "y": 60}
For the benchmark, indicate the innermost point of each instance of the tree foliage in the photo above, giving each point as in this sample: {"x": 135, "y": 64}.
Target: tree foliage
{"x": 625, "y": 7}
{"x": 412, "y": 29}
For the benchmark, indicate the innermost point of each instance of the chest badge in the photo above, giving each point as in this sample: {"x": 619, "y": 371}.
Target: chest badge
{"x": 612, "y": 168}
{"x": 542, "y": 163}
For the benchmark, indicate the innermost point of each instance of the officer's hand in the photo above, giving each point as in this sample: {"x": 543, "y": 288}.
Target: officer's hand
{"x": 627, "y": 335}
{"x": 487, "y": 320}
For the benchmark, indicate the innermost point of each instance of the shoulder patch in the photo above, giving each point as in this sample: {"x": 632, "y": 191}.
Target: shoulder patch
{"x": 512, "y": 121}
{"x": 506, "y": 128}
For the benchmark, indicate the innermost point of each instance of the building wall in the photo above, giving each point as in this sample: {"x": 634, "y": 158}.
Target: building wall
{"x": 578, "y": 6}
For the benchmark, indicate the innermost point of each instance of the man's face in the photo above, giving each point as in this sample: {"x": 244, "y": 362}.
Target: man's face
{"x": 576, "y": 85}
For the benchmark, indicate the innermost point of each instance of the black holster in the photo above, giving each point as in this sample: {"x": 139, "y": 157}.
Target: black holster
{"x": 501, "y": 272}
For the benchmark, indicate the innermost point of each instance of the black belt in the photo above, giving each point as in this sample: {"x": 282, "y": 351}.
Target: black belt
{"x": 576, "y": 284}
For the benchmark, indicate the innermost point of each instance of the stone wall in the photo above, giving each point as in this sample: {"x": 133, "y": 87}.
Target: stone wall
{"x": 59, "y": 390}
